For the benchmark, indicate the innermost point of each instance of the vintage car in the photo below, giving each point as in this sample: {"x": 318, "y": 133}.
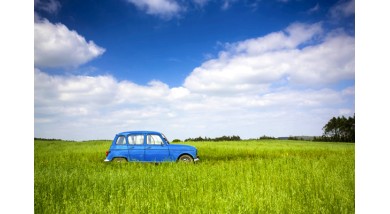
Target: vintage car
{"x": 148, "y": 146}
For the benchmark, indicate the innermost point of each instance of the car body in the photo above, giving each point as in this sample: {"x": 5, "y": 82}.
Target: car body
{"x": 148, "y": 146}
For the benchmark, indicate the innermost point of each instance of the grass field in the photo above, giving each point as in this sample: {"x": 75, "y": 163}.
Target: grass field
{"x": 232, "y": 177}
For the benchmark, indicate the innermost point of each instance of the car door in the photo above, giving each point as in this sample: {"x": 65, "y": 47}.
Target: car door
{"x": 136, "y": 147}
{"x": 155, "y": 149}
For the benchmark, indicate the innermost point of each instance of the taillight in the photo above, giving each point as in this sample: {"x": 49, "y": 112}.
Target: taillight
{"x": 107, "y": 152}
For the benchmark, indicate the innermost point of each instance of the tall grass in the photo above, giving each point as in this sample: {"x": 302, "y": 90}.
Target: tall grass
{"x": 232, "y": 177}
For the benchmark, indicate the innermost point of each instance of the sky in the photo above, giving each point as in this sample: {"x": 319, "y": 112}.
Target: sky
{"x": 192, "y": 68}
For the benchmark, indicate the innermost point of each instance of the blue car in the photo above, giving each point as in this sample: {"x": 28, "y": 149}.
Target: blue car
{"x": 148, "y": 146}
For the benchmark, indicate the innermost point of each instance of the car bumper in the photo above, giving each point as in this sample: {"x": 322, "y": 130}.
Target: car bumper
{"x": 196, "y": 159}
{"x": 106, "y": 160}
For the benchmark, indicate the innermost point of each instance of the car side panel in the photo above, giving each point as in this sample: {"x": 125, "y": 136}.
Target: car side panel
{"x": 117, "y": 151}
{"x": 136, "y": 152}
{"x": 176, "y": 152}
{"x": 157, "y": 153}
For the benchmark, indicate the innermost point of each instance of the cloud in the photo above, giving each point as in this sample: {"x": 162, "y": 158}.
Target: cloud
{"x": 162, "y": 8}
{"x": 50, "y": 6}
{"x": 57, "y": 46}
{"x": 298, "y": 55}
{"x": 279, "y": 84}
{"x": 343, "y": 8}
{"x": 350, "y": 91}
{"x": 227, "y": 4}
{"x": 81, "y": 104}
{"x": 314, "y": 9}
{"x": 85, "y": 107}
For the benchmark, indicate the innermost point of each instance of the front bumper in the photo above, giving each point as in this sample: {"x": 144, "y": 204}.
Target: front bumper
{"x": 106, "y": 160}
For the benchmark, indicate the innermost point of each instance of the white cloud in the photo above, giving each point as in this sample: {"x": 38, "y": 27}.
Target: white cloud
{"x": 227, "y": 4}
{"x": 84, "y": 103}
{"x": 85, "y": 107}
{"x": 294, "y": 35}
{"x": 161, "y": 8}
{"x": 57, "y": 46}
{"x": 295, "y": 55}
{"x": 329, "y": 62}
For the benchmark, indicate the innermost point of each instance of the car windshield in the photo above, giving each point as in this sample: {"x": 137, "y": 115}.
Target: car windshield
{"x": 165, "y": 138}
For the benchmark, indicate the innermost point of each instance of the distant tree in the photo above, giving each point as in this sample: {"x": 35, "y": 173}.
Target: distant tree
{"x": 321, "y": 139}
{"x": 340, "y": 129}
{"x": 223, "y": 138}
{"x": 48, "y": 139}
{"x": 176, "y": 141}
{"x": 264, "y": 137}
{"x": 293, "y": 138}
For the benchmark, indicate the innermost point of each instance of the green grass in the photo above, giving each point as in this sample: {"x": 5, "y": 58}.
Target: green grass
{"x": 232, "y": 177}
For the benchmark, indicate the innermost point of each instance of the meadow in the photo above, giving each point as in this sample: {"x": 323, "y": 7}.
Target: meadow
{"x": 267, "y": 176}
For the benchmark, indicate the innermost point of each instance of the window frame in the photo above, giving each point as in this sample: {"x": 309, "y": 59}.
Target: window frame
{"x": 136, "y": 135}
{"x": 121, "y": 137}
{"x": 150, "y": 144}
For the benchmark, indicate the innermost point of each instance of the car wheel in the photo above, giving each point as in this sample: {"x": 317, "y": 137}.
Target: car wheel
{"x": 119, "y": 160}
{"x": 186, "y": 159}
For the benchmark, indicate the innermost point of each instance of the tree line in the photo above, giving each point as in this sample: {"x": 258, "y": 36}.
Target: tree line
{"x": 223, "y": 138}
{"x": 338, "y": 129}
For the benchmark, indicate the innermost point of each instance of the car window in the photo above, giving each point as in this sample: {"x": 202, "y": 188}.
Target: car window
{"x": 136, "y": 139}
{"x": 154, "y": 140}
{"x": 120, "y": 140}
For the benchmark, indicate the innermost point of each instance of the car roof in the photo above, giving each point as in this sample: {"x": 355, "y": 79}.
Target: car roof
{"x": 138, "y": 132}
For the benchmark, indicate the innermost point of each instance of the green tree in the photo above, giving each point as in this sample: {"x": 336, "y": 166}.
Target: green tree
{"x": 340, "y": 129}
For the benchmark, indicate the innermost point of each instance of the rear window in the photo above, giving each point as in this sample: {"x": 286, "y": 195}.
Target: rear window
{"x": 120, "y": 140}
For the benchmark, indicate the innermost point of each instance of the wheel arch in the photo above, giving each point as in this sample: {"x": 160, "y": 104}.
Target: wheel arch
{"x": 185, "y": 153}
{"x": 113, "y": 159}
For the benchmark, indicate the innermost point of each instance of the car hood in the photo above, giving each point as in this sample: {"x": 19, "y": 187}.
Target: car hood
{"x": 181, "y": 147}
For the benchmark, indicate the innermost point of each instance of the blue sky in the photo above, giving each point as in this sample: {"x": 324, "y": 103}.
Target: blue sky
{"x": 192, "y": 68}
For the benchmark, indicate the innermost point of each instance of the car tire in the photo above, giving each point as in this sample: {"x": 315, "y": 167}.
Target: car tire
{"x": 119, "y": 160}
{"x": 185, "y": 159}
